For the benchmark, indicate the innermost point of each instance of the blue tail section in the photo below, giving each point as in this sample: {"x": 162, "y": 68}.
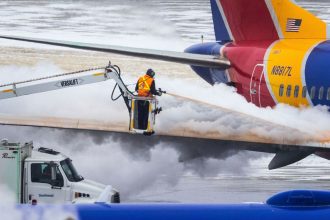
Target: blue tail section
{"x": 220, "y": 29}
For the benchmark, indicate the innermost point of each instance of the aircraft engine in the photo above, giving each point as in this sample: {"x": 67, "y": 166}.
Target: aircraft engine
{"x": 210, "y": 75}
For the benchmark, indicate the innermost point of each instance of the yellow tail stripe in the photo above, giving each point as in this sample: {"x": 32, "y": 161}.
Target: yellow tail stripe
{"x": 311, "y": 27}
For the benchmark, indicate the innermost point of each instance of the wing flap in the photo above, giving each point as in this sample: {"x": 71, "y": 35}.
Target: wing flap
{"x": 286, "y": 153}
{"x": 171, "y": 56}
{"x": 96, "y": 125}
{"x": 107, "y": 126}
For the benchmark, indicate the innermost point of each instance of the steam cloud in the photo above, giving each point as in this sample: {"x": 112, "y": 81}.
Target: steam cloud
{"x": 134, "y": 163}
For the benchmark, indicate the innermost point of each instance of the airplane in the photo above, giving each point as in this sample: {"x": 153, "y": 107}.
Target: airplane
{"x": 296, "y": 204}
{"x": 271, "y": 51}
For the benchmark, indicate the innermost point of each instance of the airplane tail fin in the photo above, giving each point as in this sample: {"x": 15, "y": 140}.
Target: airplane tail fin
{"x": 255, "y": 20}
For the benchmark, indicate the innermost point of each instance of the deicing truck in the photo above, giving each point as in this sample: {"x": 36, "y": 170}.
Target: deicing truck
{"x": 44, "y": 176}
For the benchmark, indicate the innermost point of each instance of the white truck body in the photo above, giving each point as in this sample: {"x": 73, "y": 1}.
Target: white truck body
{"x": 45, "y": 176}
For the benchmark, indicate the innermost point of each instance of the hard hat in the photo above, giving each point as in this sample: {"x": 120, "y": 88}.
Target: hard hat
{"x": 151, "y": 73}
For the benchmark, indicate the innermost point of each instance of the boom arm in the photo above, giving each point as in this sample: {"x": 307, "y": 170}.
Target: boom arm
{"x": 34, "y": 86}
{"x": 28, "y": 88}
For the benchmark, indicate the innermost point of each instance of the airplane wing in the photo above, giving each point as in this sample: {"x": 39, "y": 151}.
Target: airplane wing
{"x": 286, "y": 151}
{"x": 171, "y": 56}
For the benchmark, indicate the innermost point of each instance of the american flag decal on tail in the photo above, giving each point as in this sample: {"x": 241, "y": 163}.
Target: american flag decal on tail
{"x": 293, "y": 25}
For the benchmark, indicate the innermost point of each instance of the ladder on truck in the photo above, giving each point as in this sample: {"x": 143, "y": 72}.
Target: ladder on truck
{"x": 110, "y": 72}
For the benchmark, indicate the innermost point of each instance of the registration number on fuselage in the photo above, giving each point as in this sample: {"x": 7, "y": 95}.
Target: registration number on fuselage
{"x": 282, "y": 70}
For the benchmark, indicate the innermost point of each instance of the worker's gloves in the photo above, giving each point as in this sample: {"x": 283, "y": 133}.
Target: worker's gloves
{"x": 160, "y": 92}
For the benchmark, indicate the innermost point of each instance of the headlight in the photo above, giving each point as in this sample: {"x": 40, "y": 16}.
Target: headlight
{"x": 81, "y": 195}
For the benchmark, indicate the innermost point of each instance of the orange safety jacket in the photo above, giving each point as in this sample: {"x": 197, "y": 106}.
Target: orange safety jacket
{"x": 144, "y": 85}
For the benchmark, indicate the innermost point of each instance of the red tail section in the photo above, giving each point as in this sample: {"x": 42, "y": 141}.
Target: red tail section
{"x": 246, "y": 20}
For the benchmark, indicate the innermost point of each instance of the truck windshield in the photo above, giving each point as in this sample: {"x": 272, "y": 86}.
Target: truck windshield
{"x": 70, "y": 171}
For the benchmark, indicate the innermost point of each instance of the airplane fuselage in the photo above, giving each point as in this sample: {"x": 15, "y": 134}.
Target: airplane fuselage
{"x": 296, "y": 204}
{"x": 291, "y": 71}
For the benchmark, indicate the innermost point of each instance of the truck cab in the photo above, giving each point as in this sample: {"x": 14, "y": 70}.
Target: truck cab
{"x": 45, "y": 176}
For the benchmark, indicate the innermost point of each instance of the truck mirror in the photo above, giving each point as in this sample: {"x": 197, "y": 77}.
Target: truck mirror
{"x": 53, "y": 171}
{"x": 56, "y": 180}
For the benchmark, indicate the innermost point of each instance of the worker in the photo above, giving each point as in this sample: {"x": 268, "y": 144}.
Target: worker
{"x": 145, "y": 87}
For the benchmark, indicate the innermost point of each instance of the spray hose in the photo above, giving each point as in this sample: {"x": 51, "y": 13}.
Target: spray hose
{"x": 114, "y": 88}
